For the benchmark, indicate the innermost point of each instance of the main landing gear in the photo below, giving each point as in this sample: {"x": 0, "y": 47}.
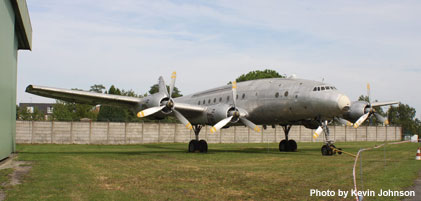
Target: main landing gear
{"x": 197, "y": 145}
{"x": 287, "y": 145}
{"x": 328, "y": 149}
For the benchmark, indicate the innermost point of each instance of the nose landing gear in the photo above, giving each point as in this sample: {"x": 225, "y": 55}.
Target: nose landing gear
{"x": 328, "y": 149}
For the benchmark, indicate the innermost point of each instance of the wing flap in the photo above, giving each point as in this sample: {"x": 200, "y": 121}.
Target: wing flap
{"x": 84, "y": 97}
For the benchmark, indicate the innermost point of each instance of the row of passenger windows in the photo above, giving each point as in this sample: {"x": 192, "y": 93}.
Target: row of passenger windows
{"x": 323, "y": 88}
{"x": 220, "y": 100}
{"x": 228, "y": 98}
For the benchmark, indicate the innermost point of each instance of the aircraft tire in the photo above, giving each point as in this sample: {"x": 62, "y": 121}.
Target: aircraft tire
{"x": 193, "y": 145}
{"x": 324, "y": 150}
{"x": 282, "y": 145}
{"x": 291, "y": 145}
{"x": 203, "y": 146}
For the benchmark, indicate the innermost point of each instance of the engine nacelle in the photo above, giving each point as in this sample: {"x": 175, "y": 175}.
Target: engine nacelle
{"x": 357, "y": 109}
{"x": 216, "y": 113}
{"x": 155, "y": 100}
{"x": 310, "y": 124}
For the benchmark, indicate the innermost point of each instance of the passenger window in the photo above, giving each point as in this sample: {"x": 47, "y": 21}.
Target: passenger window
{"x": 208, "y": 101}
{"x": 220, "y": 99}
{"x": 204, "y": 102}
{"x": 277, "y": 94}
{"x": 228, "y": 98}
{"x": 286, "y": 94}
{"x": 243, "y": 96}
{"x": 236, "y": 97}
{"x": 198, "y": 103}
{"x": 214, "y": 100}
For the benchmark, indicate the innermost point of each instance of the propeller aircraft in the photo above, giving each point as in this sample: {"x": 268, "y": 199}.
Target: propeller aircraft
{"x": 273, "y": 101}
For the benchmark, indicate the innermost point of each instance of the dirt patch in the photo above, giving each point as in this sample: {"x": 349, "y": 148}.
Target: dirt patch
{"x": 20, "y": 169}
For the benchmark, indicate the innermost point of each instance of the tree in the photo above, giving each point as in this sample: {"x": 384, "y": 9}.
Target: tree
{"x": 97, "y": 88}
{"x": 24, "y": 114}
{"x": 113, "y": 113}
{"x": 155, "y": 89}
{"x": 258, "y": 74}
{"x": 404, "y": 115}
{"x": 65, "y": 111}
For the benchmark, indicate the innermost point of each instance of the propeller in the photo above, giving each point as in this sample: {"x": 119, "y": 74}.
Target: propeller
{"x": 370, "y": 111}
{"x": 234, "y": 115}
{"x": 168, "y": 104}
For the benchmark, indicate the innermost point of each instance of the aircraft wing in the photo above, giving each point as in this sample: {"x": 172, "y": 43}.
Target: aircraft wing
{"x": 84, "y": 97}
{"x": 374, "y": 104}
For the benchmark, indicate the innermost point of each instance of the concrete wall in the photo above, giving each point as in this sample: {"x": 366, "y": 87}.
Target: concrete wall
{"x": 28, "y": 132}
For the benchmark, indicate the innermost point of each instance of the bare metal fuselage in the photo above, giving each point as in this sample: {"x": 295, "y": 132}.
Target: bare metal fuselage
{"x": 272, "y": 101}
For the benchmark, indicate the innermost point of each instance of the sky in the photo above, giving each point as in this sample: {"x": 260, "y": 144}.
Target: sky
{"x": 130, "y": 43}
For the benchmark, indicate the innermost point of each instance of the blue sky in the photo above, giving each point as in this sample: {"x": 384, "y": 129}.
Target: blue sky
{"x": 130, "y": 43}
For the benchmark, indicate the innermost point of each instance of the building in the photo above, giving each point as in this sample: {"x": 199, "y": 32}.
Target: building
{"x": 44, "y": 108}
{"x": 15, "y": 34}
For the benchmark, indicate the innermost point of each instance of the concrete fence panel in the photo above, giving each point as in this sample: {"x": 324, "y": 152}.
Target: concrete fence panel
{"x": 137, "y": 133}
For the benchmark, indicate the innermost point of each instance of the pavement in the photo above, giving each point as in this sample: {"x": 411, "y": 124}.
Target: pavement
{"x": 417, "y": 189}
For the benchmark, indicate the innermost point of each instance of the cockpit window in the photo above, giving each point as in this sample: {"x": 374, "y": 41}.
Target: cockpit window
{"x": 322, "y": 88}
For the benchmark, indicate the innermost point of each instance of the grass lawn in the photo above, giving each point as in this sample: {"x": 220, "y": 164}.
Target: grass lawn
{"x": 226, "y": 172}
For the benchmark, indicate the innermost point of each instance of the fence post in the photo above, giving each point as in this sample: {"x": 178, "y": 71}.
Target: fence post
{"x": 334, "y": 133}
{"x": 345, "y": 132}
{"x": 366, "y": 133}
{"x": 220, "y": 136}
{"x": 377, "y": 138}
{"x": 90, "y": 132}
{"x": 32, "y": 132}
{"x": 159, "y": 129}
{"x": 125, "y": 132}
{"x": 235, "y": 134}
{"x": 386, "y": 132}
{"x": 143, "y": 128}
{"x": 52, "y": 131}
{"x": 175, "y": 132}
{"x": 71, "y": 132}
{"x": 108, "y": 132}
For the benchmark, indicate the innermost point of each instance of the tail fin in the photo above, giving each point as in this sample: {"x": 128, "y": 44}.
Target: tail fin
{"x": 162, "y": 86}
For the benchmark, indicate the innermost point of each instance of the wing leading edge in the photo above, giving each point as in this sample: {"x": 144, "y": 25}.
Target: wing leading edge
{"x": 85, "y": 97}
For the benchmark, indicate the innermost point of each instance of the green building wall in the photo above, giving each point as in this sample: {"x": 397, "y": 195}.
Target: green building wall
{"x": 9, "y": 45}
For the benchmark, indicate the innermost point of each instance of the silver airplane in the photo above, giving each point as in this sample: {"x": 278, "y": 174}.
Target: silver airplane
{"x": 274, "y": 101}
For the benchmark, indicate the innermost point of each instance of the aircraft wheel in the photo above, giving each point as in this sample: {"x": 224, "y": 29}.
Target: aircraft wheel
{"x": 324, "y": 150}
{"x": 203, "y": 146}
{"x": 291, "y": 145}
{"x": 282, "y": 145}
{"x": 193, "y": 145}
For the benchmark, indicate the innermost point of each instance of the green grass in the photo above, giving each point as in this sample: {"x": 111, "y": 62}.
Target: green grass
{"x": 227, "y": 172}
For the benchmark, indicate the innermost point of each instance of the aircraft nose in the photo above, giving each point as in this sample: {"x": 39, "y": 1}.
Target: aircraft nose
{"x": 344, "y": 103}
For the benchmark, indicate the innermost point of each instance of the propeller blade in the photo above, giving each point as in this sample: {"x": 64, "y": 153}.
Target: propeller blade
{"x": 234, "y": 92}
{"x": 220, "y": 124}
{"x": 173, "y": 76}
{"x": 182, "y": 119}
{"x": 343, "y": 121}
{"x": 149, "y": 111}
{"x": 368, "y": 93}
{"x": 162, "y": 87}
{"x": 361, "y": 120}
{"x": 318, "y": 131}
{"x": 381, "y": 119}
{"x": 250, "y": 124}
